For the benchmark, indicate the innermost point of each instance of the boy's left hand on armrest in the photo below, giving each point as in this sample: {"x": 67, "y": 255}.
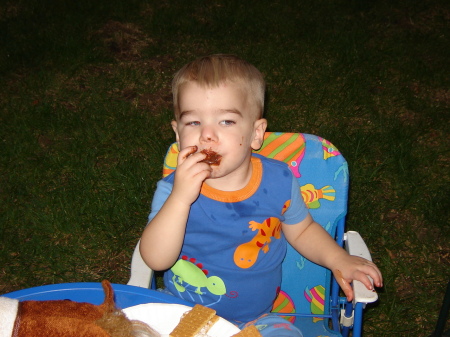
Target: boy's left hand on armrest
{"x": 313, "y": 242}
{"x": 349, "y": 268}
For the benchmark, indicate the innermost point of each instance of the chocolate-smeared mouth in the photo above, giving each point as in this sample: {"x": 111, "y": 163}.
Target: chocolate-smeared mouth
{"x": 212, "y": 157}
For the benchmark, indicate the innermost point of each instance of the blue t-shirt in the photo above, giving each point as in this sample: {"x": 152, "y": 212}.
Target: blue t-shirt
{"x": 233, "y": 247}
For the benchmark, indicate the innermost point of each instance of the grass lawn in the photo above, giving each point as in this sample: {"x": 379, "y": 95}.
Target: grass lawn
{"x": 85, "y": 111}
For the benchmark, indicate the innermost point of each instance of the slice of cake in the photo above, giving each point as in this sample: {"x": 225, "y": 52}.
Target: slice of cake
{"x": 195, "y": 322}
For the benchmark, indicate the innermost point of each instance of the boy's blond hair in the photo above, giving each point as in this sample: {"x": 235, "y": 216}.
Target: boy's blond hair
{"x": 214, "y": 70}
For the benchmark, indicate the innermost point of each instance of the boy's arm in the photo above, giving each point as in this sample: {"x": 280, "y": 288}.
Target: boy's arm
{"x": 314, "y": 243}
{"x": 163, "y": 237}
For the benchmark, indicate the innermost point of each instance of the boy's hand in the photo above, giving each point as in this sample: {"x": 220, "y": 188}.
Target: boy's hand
{"x": 352, "y": 268}
{"x": 190, "y": 175}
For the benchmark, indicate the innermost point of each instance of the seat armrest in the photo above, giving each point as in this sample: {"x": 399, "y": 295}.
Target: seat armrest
{"x": 355, "y": 245}
{"x": 141, "y": 274}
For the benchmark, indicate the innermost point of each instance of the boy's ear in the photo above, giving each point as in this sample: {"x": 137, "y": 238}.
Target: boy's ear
{"x": 259, "y": 128}
{"x": 175, "y": 129}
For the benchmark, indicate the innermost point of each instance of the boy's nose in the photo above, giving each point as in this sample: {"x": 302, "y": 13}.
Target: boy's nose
{"x": 208, "y": 135}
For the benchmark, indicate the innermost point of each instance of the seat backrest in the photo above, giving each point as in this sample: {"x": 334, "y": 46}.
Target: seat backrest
{"x": 323, "y": 178}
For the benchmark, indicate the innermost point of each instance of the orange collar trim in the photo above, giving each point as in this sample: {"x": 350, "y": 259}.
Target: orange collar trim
{"x": 239, "y": 195}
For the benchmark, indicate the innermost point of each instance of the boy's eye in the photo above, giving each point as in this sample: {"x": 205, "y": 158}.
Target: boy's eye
{"x": 227, "y": 122}
{"x": 194, "y": 123}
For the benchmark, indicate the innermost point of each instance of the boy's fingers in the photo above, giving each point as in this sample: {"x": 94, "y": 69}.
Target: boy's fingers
{"x": 191, "y": 151}
{"x": 348, "y": 290}
{"x": 379, "y": 278}
{"x": 370, "y": 269}
{"x": 204, "y": 174}
{"x": 344, "y": 284}
{"x": 365, "y": 274}
{"x": 364, "y": 279}
{"x": 375, "y": 274}
{"x": 186, "y": 152}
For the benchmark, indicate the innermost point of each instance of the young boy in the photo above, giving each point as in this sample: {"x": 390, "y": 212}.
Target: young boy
{"x": 202, "y": 214}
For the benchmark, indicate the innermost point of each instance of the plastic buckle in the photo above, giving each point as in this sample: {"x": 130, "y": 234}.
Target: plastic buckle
{"x": 346, "y": 321}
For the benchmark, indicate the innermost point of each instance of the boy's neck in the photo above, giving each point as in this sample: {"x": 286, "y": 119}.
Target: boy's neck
{"x": 233, "y": 181}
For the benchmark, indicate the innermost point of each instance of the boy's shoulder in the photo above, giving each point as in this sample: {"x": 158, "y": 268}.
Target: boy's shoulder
{"x": 275, "y": 170}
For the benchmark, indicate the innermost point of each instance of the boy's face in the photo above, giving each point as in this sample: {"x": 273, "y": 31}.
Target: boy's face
{"x": 222, "y": 119}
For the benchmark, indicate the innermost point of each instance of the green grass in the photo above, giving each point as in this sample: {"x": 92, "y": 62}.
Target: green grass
{"x": 85, "y": 122}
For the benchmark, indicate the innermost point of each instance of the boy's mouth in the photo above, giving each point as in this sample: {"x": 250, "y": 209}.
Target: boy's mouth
{"x": 212, "y": 157}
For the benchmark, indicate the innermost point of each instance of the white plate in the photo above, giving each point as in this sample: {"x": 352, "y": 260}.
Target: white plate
{"x": 165, "y": 317}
